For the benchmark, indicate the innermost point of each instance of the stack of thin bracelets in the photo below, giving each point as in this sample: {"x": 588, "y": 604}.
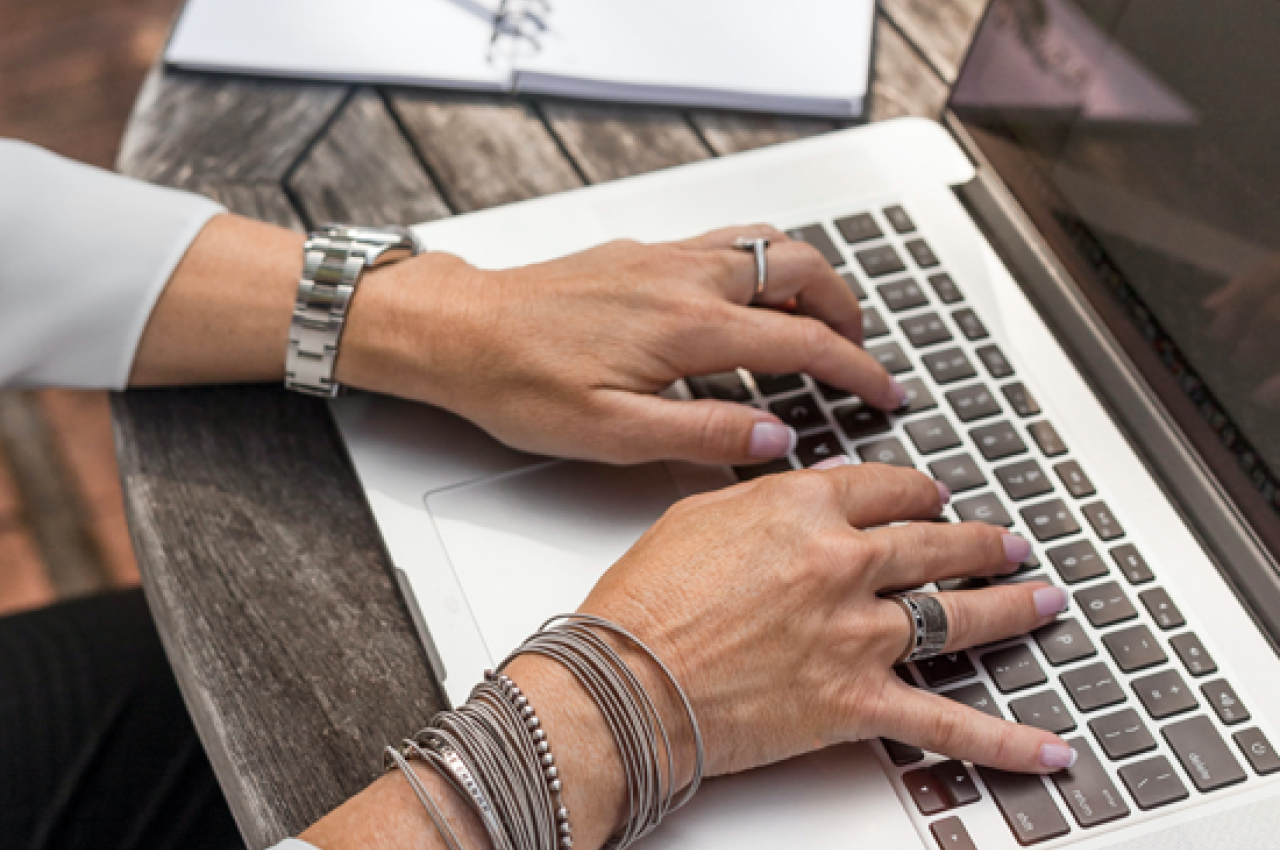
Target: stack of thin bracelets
{"x": 495, "y": 754}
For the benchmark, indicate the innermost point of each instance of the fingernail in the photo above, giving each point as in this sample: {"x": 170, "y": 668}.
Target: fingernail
{"x": 772, "y": 439}
{"x": 1058, "y": 756}
{"x": 832, "y": 462}
{"x": 1016, "y": 549}
{"x": 944, "y": 493}
{"x": 1050, "y": 601}
{"x": 900, "y": 391}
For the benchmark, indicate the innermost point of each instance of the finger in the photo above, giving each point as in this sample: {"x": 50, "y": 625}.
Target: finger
{"x": 715, "y": 432}
{"x": 944, "y": 726}
{"x": 776, "y": 343}
{"x": 921, "y": 552}
{"x": 872, "y": 494}
{"x": 723, "y": 238}
{"x": 977, "y": 617}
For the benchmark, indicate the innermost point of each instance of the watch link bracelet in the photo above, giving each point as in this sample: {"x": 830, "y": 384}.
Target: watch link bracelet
{"x": 335, "y": 258}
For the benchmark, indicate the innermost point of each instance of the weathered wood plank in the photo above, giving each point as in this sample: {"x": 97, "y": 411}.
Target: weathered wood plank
{"x": 191, "y": 127}
{"x": 363, "y": 170}
{"x": 730, "y": 132}
{"x": 940, "y": 29}
{"x": 483, "y": 151}
{"x": 608, "y": 142}
{"x": 266, "y": 576}
{"x": 903, "y": 83}
{"x": 263, "y": 201}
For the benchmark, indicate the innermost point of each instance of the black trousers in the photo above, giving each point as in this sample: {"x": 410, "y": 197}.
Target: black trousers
{"x": 96, "y": 748}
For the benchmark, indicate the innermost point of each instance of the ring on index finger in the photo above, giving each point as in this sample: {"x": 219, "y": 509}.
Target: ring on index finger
{"x": 928, "y": 622}
{"x": 758, "y": 247}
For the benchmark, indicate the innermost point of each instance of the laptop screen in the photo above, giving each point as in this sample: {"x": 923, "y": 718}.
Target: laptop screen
{"x": 1143, "y": 139}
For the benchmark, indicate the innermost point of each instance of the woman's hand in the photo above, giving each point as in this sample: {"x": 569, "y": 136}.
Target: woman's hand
{"x": 567, "y": 357}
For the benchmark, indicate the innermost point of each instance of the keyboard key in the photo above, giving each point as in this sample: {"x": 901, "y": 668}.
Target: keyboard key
{"x": 1047, "y": 439}
{"x": 970, "y": 325}
{"x": 889, "y": 451}
{"x": 1087, "y": 787}
{"x": 1258, "y": 750}
{"x": 1064, "y": 641}
{"x": 725, "y": 386}
{"x": 1203, "y": 753}
{"x": 946, "y": 288}
{"x": 997, "y": 440}
{"x": 951, "y": 834}
{"x": 1092, "y": 687}
{"x": 859, "y": 420}
{"x": 873, "y": 325}
{"x": 1021, "y": 399}
{"x": 1164, "y": 694}
{"x": 902, "y": 754}
{"x": 985, "y": 508}
{"x": 1122, "y": 734}
{"x": 1023, "y": 480}
{"x": 854, "y": 286}
{"x": 901, "y": 671}
{"x": 1105, "y": 604}
{"x": 958, "y": 786}
{"x": 921, "y": 253}
{"x": 970, "y": 583}
{"x": 891, "y": 356}
{"x": 1134, "y": 648}
{"x": 899, "y": 219}
{"x": 1153, "y": 783}
{"x": 975, "y": 696}
{"x": 995, "y": 361}
{"x": 760, "y": 470}
{"x": 880, "y": 261}
{"x": 1161, "y": 608}
{"x": 1132, "y": 564}
{"x": 1013, "y": 668}
{"x": 925, "y": 789}
{"x": 1194, "y": 656}
{"x": 923, "y": 331}
{"x": 1044, "y": 710}
{"x": 1077, "y": 562}
{"x": 1103, "y": 521}
{"x": 1049, "y": 520}
{"x": 903, "y": 295}
{"x": 816, "y": 235}
{"x": 1074, "y": 479}
{"x": 1226, "y": 704}
{"x": 919, "y": 398}
{"x": 948, "y": 366}
{"x": 818, "y": 447}
{"x": 973, "y": 402}
{"x": 800, "y": 412}
{"x": 931, "y": 435}
{"x": 1026, "y": 805}
{"x": 959, "y": 473}
{"x": 777, "y": 384}
{"x": 831, "y": 393}
{"x": 946, "y": 669}
{"x": 859, "y": 228}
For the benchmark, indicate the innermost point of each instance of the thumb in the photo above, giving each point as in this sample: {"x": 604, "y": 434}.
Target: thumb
{"x": 704, "y": 431}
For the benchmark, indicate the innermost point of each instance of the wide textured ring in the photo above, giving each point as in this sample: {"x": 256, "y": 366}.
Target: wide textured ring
{"x": 928, "y": 623}
{"x": 757, "y": 247}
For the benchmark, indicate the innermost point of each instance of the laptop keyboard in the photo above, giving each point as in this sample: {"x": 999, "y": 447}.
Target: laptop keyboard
{"x": 1120, "y": 675}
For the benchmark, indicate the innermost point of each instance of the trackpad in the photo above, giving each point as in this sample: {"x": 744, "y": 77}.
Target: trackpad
{"x": 531, "y": 544}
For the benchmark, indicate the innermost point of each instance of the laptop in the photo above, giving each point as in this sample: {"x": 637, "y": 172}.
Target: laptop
{"x": 1073, "y": 274}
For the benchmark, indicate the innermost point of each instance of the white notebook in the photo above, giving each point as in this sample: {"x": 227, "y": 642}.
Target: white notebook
{"x": 808, "y": 57}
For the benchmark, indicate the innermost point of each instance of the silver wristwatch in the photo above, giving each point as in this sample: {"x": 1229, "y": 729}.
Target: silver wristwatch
{"x": 336, "y": 256}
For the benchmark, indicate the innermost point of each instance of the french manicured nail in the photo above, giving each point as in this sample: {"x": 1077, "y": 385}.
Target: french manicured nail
{"x": 832, "y": 462}
{"x": 772, "y": 439}
{"x": 1058, "y": 756}
{"x": 1050, "y": 601}
{"x": 900, "y": 391}
{"x": 1016, "y": 548}
{"x": 944, "y": 493}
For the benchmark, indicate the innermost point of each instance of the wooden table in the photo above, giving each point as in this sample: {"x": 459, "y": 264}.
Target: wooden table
{"x": 261, "y": 560}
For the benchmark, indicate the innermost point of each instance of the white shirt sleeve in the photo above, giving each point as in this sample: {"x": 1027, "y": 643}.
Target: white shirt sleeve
{"x": 84, "y": 254}
{"x": 292, "y": 844}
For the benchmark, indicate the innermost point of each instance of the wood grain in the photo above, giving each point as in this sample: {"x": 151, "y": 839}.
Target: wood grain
{"x": 730, "y": 132}
{"x": 483, "y": 151}
{"x": 263, "y": 201}
{"x": 903, "y": 83}
{"x": 940, "y": 29}
{"x": 608, "y": 142}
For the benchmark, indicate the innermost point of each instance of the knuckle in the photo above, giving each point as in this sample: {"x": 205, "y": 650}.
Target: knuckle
{"x": 959, "y": 621}
{"x": 812, "y": 338}
{"x": 806, "y": 488}
{"x": 949, "y": 728}
{"x": 720, "y": 435}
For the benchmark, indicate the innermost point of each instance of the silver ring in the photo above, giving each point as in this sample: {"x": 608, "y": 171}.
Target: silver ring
{"x": 928, "y": 623}
{"x": 757, "y": 247}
